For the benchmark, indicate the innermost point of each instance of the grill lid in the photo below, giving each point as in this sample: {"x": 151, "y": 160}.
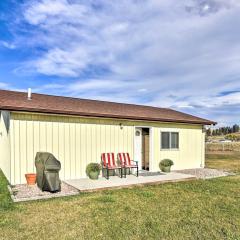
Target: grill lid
{"x": 47, "y": 161}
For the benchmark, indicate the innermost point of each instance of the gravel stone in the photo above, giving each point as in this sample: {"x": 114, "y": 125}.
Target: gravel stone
{"x": 23, "y": 192}
{"x": 205, "y": 173}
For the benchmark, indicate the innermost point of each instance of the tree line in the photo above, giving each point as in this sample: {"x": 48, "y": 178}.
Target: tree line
{"x": 223, "y": 130}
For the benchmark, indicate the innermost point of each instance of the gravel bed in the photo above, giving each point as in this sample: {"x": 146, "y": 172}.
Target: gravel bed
{"x": 23, "y": 192}
{"x": 205, "y": 173}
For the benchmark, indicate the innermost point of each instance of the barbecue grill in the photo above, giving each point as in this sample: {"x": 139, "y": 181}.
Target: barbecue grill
{"x": 48, "y": 168}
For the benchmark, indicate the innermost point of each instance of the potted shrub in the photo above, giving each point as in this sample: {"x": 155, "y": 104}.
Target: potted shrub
{"x": 31, "y": 178}
{"x": 93, "y": 170}
{"x": 165, "y": 165}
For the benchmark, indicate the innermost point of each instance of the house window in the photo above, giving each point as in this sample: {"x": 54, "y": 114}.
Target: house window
{"x": 169, "y": 140}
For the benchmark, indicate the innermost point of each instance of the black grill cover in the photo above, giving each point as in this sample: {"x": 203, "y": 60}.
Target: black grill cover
{"x": 48, "y": 167}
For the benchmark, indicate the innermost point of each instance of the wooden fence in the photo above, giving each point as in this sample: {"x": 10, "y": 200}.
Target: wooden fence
{"x": 232, "y": 146}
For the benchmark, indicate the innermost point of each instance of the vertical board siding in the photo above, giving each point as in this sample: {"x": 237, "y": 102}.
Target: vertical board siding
{"x": 78, "y": 150}
{"x": 16, "y": 148}
{"x": 74, "y": 141}
{"x": 191, "y": 147}
{"x": 22, "y": 147}
{"x": 61, "y": 154}
{"x": 78, "y": 141}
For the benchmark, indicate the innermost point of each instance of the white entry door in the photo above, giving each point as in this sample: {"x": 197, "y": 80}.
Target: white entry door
{"x": 138, "y": 147}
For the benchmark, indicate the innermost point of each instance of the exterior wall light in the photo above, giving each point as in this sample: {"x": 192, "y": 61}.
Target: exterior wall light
{"x": 121, "y": 126}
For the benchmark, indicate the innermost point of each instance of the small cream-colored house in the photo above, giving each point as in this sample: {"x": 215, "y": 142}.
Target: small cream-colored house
{"x": 77, "y": 131}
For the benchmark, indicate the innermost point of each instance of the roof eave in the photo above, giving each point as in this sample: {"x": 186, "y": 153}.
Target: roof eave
{"x": 83, "y": 114}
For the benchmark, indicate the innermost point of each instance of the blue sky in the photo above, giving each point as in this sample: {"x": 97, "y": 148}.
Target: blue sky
{"x": 179, "y": 54}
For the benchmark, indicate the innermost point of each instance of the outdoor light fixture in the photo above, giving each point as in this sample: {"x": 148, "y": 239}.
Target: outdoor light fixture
{"x": 121, "y": 125}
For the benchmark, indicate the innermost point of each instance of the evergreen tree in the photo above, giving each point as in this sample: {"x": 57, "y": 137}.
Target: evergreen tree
{"x": 208, "y": 132}
{"x": 235, "y": 128}
{"x": 224, "y": 130}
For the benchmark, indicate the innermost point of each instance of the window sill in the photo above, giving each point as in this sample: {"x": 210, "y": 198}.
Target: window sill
{"x": 170, "y": 149}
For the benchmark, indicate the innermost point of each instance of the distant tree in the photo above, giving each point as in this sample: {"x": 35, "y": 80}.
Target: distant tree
{"x": 235, "y": 128}
{"x": 225, "y": 130}
{"x": 208, "y": 132}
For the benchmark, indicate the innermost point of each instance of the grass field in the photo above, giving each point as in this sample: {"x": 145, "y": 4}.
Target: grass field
{"x": 228, "y": 160}
{"x": 201, "y": 209}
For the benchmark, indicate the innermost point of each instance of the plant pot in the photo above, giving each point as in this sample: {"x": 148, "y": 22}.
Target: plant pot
{"x": 93, "y": 175}
{"x": 166, "y": 168}
{"x": 31, "y": 178}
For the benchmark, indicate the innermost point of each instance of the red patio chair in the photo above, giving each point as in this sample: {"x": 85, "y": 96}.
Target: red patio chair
{"x": 126, "y": 162}
{"x": 108, "y": 163}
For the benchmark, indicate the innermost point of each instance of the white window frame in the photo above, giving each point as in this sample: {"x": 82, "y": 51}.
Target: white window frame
{"x": 170, "y": 142}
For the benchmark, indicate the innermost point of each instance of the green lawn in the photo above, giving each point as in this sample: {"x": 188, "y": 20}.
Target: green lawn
{"x": 199, "y": 209}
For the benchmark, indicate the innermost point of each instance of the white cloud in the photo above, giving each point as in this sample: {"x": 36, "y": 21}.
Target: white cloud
{"x": 62, "y": 63}
{"x": 3, "y": 85}
{"x": 38, "y": 12}
{"x": 169, "y": 53}
{"x": 93, "y": 84}
{"x": 7, "y": 45}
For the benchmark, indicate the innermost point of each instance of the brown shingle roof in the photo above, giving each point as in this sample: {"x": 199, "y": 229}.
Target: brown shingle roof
{"x": 17, "y": 101}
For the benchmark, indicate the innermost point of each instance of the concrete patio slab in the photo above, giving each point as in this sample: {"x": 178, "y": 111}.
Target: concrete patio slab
{"x": 86, "y": 184}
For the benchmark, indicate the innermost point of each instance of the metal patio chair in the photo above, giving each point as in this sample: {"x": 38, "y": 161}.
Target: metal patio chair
{"x": 126, "y": 162}
{"x": 108, "y": 163}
